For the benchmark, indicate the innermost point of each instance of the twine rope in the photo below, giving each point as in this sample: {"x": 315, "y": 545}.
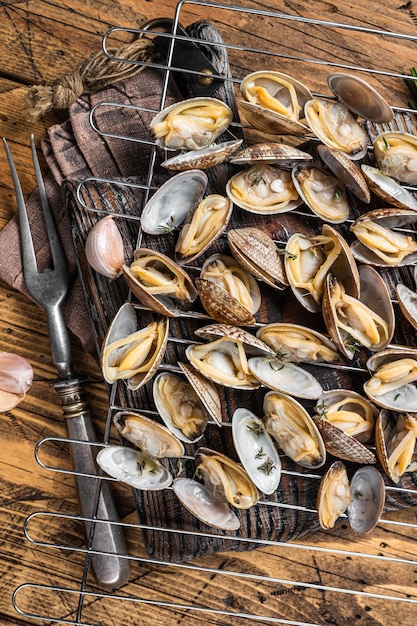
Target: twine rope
{"x": 93, "y": 74}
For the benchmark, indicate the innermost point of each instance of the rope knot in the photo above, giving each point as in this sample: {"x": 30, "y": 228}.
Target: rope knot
{"x": 66, "y": 89}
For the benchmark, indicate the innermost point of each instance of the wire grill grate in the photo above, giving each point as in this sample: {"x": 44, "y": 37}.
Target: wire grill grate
{"x": 321, "y": 578}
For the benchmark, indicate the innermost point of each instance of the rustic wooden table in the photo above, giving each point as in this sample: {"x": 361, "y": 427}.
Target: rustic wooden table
{"x": 39, "y": 41}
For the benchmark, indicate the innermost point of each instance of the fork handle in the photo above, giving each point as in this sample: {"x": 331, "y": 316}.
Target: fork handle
{"x": 110, "y": 569}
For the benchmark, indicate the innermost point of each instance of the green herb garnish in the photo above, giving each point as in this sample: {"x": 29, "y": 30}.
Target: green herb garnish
{"x": 386, "y": 144}
{"x": 267, "y": 467}
{"x": 397, "y": 395}
{"x": 276, "y": 368}
{"x": 290, "y": 255}
{"x": 259, "y": 453}
{"x": 257, "y": 180}
{"x": 338, "y": 193}
{"x": 256, "y": 429}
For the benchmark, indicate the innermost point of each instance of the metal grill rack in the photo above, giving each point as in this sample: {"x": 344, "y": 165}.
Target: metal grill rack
{"x": 329, "y": 585}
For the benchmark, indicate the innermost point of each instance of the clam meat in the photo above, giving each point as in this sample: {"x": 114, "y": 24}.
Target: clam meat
{"x": 336, "y": 127}
{"x": 133, "y": 354}
{"x": 287, "y": 421}
{"x": 396, "y": 441}
{"x": 293, "y": 342}
{"x": 134, "y": 468}
{"x": 192, "y": 124}
{"x": 380, "y": 243}
{"x": 322, "y": 192}
{"x": 396, "y": 156}
{"x": 179, "y": 406}
{"x": 256, "y": 450}
{"x": 263, "y": 189}
{"x": 202, "y": 227}
{"x": 393, "y": 381}
{"x": 148, "y": 435}
{"x": 385, "y": 187}
{"x": 159, "y": 283}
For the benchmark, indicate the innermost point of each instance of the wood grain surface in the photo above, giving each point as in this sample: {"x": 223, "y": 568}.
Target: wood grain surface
{"x": 40, "y": 40}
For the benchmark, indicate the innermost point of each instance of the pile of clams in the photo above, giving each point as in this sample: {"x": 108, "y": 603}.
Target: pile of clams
{"x": 222, "y": 265}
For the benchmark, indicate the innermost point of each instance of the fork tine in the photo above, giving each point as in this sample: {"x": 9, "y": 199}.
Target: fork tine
{"x": 57, "y": 253}
{"x": 30, "y": 268}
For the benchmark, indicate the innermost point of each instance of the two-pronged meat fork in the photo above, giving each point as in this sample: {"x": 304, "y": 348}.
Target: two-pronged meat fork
{"x": 48, "y": 288}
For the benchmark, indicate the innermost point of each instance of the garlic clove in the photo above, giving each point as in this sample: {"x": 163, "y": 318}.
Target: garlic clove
{"x": 104, "y": 249}
{"x": 16, "y": 376}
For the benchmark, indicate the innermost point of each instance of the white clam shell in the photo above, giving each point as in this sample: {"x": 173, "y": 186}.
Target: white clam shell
{"x": 134, "y": 468}
{"x": 388, "y": 189}
{"x": 170, "y": 204}
{"x": 255, "y": 448}
{"x": 360, "y": 97}
{"x": 285, "y": 377}
{"x": 368, "y": 498}
{"x": 201, "y": 502}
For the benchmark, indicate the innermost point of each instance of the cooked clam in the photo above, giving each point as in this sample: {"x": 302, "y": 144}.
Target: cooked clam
{"x": 346, "y": 420}
{"x": 226, "y": 479}
{"x": 202, "y": 227}
{"x": 309, "y": 260}
{"x": 351, "y": 322}
{"x": 130, "y": 353}
{"x": 206, "y": 391}
{"x": 407, "y": 300}
{"x": 170, "y": 204}
{"x": 379, "y": 243}
{"x": 396, "y": 156}
{"x": 180, "y": 407}
{"x": 159, "y": 283}
{"x": 363, "y": 498}
{"x": 148, "y": 435}
{"x": 192, "y": 124}
{"x": 274, "y": 102}
{"x": 288, "y": 422}
{"x": 388, "y": 189}
{"x": 263, "y": 189}
{"x": 393, "y": 381}
{"x": 336, "y": 127}
{"x": 360, "y": 97}
{"x": 227, "y": 291}
{"x": 292, "y": 342}
{"x": 346, "y": 171}
{"x": 256, "y": 450}
{"x": 256, "y": 251}
{"x": 202, "y": 503}
{"x": 322, "y": 192}
{"x": 225, "y": 360}
{"x": 133, "y": 467}
{"x": 203, "y": 159}
{"x": 285, "y": 377}
{"x": 396, "y": 440}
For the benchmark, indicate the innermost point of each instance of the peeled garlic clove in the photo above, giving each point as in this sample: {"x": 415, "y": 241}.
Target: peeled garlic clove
{"x": 104, "y": 248}
{"x": 16, "y": 376}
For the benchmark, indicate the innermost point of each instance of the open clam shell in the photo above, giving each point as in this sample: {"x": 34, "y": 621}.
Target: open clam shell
{"x": 345, "y": 420}
{"x": 336, "y": 127}
{"x": 396, "y": 155}
{"x": 131, "y": 353}
{"x": 367, "y": 321}
{"x": 323, "y": 193}
{"x": 363, "y": 497}
{"x": 148, "y": 435}
{"x": 256, "y": 450}
{"x": 393, "y": 382}
{"x": 308, "y": 260}
{"x": 347, "y": 171}
{"x": 296, "y": 343}
{"x": 388, "y": 189}
{"x": 170, "y": 204}
{"x": 287, "y": 421}
{"x": 224, "y": 360}
{"x": 380, "y": 242}
{"x": 256, "y": 251}
{"x": 274, "y": 102}
{"x": 191, "y": 124}
{"x": 134, "y": 468}
{"x": 226, "y": 479}
{"x": 272, "y": 153}
{"x": 285, "y": 377}
{"x": 180, "y": 407}
{"x": 227, "y": 291}
{"x": 263, "y": 189}
{"x": 203, "y": 226}
{"x": 199, "y": 500}
{"x": 203, "y": 159}
{"x": 159, "y": 283}
{"x": 396, "y": 440}
{"x": 206, "y": 391}
{"x": 407, "y": 300}
{"x": 360, "y": 97}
